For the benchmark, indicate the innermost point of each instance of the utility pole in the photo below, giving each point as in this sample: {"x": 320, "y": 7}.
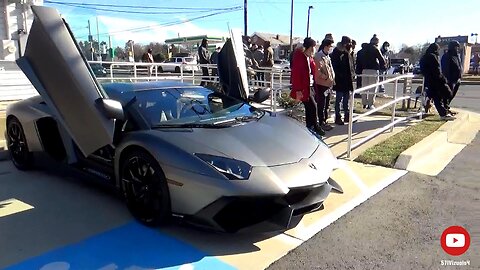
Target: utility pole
{"x": 291, "y": 29}
{"x": 98, "y": 36}
{"x": 245, "y": 17}
{"x": 90, "y": 40}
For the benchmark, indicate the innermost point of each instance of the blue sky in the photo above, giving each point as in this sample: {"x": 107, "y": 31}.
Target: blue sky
{"x": 397, "y": 21}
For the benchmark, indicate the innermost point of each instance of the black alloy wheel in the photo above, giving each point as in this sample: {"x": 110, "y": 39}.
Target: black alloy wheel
{"x": 145, "y": 188}
{"x": 17, "y": 145}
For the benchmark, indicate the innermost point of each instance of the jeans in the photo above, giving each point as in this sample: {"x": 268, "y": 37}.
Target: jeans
{"x": 342, "y": 96}
{"x": 311, "y": 111}
{"x": 206, "y": 75}
{"x": 454, "y": 87}
{"x": 321, "y": 100}
{"x": 368, "y": 97}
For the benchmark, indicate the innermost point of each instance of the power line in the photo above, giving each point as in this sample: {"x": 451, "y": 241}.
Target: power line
{"x": 143, "y": 28}
{"x": 131, "y": 6}
{"x": 146, "y": 12}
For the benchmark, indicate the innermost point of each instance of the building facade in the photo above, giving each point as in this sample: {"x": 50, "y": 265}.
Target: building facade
{"x": 15, "y": 21}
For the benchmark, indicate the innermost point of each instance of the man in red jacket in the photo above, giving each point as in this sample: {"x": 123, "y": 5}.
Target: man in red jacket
{"x": 302, "y": 79}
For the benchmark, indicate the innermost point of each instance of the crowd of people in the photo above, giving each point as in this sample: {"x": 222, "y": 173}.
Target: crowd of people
{"x": 316, "y": 75}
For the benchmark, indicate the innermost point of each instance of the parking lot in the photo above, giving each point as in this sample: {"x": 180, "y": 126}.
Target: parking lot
{"x": 55, "y": 218}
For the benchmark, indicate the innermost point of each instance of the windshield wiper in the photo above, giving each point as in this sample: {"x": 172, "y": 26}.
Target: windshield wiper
{"x": 186, "y": 125}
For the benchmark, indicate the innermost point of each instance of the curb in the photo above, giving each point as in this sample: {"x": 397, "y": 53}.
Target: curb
{"x": 460, "y": 132}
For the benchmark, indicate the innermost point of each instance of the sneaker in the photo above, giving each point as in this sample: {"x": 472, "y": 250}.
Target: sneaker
{"x": 447, "y": 117}
{"x": 452, "y": 112}
{"x": 327, "y": 127}
{"x": 320, "y": 131}
{"x": 339, "y": 122}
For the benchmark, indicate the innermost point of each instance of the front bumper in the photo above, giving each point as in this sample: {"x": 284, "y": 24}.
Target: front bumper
{"x": 262, "y": 213}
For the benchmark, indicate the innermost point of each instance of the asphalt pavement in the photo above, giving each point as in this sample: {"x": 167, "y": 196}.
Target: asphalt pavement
{"x": 400, "y": 228}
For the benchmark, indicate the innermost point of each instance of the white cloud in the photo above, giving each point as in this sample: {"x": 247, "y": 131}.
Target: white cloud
{"x": 153, "y": 32}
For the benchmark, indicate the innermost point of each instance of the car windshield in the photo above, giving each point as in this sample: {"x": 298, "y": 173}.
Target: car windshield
{"x": 196, "y": 106}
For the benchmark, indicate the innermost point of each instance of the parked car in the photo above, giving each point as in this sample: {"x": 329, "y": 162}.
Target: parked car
{"x": 171, "y": 149}
{"x": 400, "y": 65}
{"x": 281, "y": 65}
{"x": 98, "y": 69}
{"x": 174, "y": 64}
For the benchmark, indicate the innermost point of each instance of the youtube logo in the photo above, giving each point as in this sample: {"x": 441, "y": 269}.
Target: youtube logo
{"x": 455, "y": 240}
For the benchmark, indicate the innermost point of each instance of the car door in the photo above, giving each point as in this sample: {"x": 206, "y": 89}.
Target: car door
{"x": 57, "y": 69}
{"x": 232, "y": 70}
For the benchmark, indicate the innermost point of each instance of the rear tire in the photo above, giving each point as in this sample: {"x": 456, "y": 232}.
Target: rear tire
{"x": 160, "y": 69}
{"x": 177, "y": 69}
{"x": 145, "y": 188}
{"x": 21, "y": 157}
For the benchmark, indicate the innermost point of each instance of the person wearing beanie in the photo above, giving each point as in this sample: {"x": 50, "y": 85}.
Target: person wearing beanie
{"x": 342, "y": 64}
{"x": 371, "y": 62}
{"x": 302, "y": 80}
{"x": 435, "y": 82}
{"x": 324, "y": 80}
{"x": 452, "y": 69}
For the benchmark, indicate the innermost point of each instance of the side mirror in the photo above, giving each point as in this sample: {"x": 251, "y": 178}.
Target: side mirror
{"x": 112, "y": 109}
{"x": 261, "y": 95}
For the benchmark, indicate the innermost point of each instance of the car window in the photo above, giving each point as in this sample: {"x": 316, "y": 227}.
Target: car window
{"x": 178, "y": 60}
{"x": 189, "y": 59}
{"x": 188, "y": 105}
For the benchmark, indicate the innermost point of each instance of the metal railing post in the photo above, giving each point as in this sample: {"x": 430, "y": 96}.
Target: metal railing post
{"x": 350, "y": 124}
{"x": 394, "y": 109}
{"x": 135, "y": 71}
{"x": 193, "y": 74}
{"x": 181, "y": 73}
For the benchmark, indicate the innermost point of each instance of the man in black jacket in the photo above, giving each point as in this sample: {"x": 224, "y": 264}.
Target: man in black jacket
{"x": 203, "y": 59}
{"x": 452, "y": 69}
{"x": 342, "y": 63}
{"x": 370, "y": 62}
{"x": 436, "y": 83}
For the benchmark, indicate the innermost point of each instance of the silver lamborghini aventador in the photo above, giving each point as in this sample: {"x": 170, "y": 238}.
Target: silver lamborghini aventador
{"x": 171, "y": 149}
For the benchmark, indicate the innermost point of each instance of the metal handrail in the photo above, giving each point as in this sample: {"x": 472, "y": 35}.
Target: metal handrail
{"x": 393, "y": 121}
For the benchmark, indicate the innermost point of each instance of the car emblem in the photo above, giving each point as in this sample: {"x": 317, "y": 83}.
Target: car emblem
{"x": 312, "y": 166}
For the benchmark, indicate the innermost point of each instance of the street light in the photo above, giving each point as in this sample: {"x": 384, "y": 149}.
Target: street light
{"x": 476, "y": 35}
{"x": 291, "y": 28}
{"x": 308, "y": 20}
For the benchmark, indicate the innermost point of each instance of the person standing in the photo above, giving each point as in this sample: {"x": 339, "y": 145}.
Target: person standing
{"x": 324, "y": 80}
{"x": 371, "y": 63}
{"x": 267, "y": 61}
{"x": 476, "y": 63}
{"x": 214, "y": 60}
{"x": 342, "y": 63}
{"x": 385, "y": 51}
{"x": 258, "y": 56}
{"x": 452, "y": 69}
{"x": 302, "y": 80}
{"x": 148, "y": 58}
{"x": 203, "y": 59}
{"x": 438, "y": 89}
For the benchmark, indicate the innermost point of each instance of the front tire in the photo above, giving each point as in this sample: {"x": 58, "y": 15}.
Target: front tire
{"x": 145, "y": 188}
{"x": 21, "y": 157}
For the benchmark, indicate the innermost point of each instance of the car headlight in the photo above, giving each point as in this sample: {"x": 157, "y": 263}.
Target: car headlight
{"x": 233, "y": 169}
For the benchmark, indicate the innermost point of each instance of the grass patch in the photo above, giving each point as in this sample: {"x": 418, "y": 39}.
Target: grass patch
{"x": 386, "y": 153}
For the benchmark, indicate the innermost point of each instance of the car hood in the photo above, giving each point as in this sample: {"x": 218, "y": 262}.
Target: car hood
{"x": 270, "y": 141}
